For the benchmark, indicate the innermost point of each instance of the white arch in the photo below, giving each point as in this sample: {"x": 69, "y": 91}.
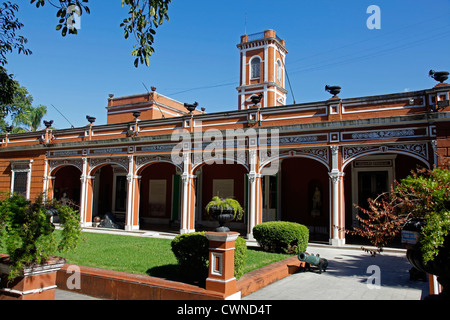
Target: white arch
{"x": 143, "y": 166}
{"x": 105, "y": 163}
{"x": 294, "y": 155}
{"x": 54, "y": 170}
{"x": 224, "y": 161}
{"x": 378, "y": 152}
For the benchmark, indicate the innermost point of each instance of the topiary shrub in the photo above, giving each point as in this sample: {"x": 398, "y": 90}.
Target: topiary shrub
{"x": 282, "y": 236}
{"x": 192, "y": 253}
{"x": 240, "y": 256}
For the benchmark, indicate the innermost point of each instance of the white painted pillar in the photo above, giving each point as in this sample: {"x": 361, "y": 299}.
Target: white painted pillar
{"x": 45, "y": 181}
{"x": 187, "y": 196}
{"x": 130, "y": 195}
{"x": 253, "y": 194}
{"x": 83, "y": 200}
{"x": 336, "y": 220}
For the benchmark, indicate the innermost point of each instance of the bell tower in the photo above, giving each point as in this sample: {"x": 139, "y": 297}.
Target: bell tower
{"x": 263, "y": 72}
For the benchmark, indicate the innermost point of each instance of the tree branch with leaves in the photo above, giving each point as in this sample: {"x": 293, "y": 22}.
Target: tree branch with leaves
{"x": 9, "y": 26}
{"x": 144, "y": 17}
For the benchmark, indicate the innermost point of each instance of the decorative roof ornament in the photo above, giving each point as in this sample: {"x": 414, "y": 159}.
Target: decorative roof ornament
{"x": 334, "y": 90}
{"x": 191, "y": 107}
{"x": 439, "y": 76}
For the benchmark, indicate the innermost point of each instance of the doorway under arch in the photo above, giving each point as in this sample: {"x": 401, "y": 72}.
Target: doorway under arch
{"x": 371, "y": 175}
{"x": 159, "y": 196}
{"x": 304, "y": 195}
{"x": 67, "y": 184}
{"x": 224, "y": 180}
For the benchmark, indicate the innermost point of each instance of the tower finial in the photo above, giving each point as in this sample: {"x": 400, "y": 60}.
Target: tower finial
{"x": 245, "y": 24}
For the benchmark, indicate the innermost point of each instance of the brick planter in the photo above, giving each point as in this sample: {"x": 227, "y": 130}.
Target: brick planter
{"x": 37, "y": 282}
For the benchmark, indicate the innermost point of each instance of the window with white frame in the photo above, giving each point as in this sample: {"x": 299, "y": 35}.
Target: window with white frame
{"x": 21, "y": 178}
{"x": 255, "y": 68}
{"x": 279, "y": 72}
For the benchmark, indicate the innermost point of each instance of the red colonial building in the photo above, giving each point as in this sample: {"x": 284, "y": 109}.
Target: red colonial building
{"x": 156, "y": 163}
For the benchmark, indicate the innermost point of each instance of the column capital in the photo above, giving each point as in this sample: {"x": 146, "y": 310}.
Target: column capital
{"x": 334, "y": 149}
{"x": 336, "y": 176}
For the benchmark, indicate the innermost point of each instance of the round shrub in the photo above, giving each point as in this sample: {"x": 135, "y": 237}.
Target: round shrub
{"x": 192, "y": 253}
{"x": 282, "y": 236}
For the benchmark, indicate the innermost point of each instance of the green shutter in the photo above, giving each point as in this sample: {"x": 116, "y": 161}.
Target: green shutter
{"x": 175, "y": 197}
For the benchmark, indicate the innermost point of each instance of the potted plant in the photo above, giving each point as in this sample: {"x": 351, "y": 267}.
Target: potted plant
{"x": 28, "y": 270}
{"x": 418, "y": 207}
{"x": 224, "y": 210}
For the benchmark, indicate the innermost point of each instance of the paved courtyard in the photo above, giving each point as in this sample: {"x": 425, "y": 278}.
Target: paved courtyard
{"x": 352, "y": 274}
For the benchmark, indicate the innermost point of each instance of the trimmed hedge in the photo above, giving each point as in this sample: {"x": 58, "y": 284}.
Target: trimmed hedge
{"x": 192, "y": 253}
{"x": 240, "y": 256}
{"x": 282, "y": 236}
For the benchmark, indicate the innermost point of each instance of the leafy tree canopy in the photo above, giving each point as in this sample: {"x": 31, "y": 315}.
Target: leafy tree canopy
{"x": 26, "y": 118}
{"x": 144, "y": 17}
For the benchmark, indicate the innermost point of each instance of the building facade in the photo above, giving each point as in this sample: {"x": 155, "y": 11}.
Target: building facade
{"x": 155, "y": 163}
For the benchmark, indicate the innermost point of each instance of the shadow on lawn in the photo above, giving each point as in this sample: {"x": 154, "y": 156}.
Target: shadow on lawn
{"x": 172, "y": 272}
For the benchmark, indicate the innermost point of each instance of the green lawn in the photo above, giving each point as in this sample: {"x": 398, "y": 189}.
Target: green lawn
{"x": 148, "y": 256}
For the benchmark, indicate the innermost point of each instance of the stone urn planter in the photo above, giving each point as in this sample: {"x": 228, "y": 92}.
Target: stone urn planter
{"x": 34, "y": 282}
{"x": 439, "y": 266}
{"x": 223, "y": 211}
{"x": 222, "y": 217}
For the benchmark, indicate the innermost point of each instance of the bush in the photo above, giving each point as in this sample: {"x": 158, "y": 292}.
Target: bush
{"x": 240, "y": 256}
{"x": 192, "y": 253}
{"x": 282, "y": 236}
{"x": 26, "y": 231}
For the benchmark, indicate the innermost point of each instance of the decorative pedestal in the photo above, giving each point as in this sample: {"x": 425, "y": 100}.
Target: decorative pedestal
{"x": 221, "y": 264}
{"x": 35, "y": 283}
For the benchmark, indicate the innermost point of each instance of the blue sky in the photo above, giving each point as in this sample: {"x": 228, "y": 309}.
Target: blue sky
{"x": 196, "y": 58}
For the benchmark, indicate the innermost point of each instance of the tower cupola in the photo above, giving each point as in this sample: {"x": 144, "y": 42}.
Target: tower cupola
{"x": 263, "y": 71}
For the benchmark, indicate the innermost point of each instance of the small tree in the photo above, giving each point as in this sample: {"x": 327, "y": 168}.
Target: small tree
{"x": 27, "y": 233}
{"x": 424, "y": 195}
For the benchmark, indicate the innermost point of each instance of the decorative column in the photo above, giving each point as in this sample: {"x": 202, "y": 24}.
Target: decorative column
{"x": 48, "y": 182}
{"x": 254, "y": 199}
{"x": 188, "y": 197}
{"x": 45, "y": 181}
{"x": 132, "y": 221}
{"x": 434, "y": 147}
{"x": 221, "y": 264}
{"x": 336, "y": 193}
{"x": 84, "y": 196}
